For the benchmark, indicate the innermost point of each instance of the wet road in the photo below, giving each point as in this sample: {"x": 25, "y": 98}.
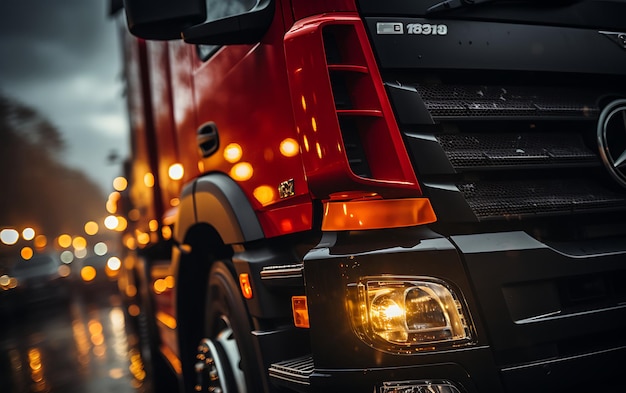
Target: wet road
{"x": 86, "y": 344}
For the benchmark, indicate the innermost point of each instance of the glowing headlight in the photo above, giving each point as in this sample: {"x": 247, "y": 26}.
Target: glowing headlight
{"x": 408, "y": 312}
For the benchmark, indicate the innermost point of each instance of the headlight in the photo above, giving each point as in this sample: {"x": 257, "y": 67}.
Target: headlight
{"x": 407, "y": 312}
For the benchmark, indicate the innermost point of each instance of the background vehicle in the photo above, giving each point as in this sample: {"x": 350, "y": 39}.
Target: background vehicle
{"x": 388, "y": 196}
{"x": 41, "y": 279}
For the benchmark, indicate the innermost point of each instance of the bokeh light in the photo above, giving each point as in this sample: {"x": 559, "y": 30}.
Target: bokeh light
{"x": 148, "y": 179}
{"x": 41, "y": 241}
{"x": 64, "y": 270}
{"x": 79, "y": 243}
{"x": 264, "y": 194}
{"x": 26, "y": 253}
{"x": 88, "y": 273}
{"x": 67, "y": 256}
{"x": 114, "y": 263}
{"x": 9, "y": 236}
{"x": 28, "y": 234}
{"x": 111, "y": 222}
{"x": 241, "y": 171}
{"x": 100, "y": 248}
{"x": 64, "y": 240}
{"x": 121, "y": 224}
{"x": 91, "y": 228}
{"x": 176, "y": 171}
{"x": 80, "y": 253}
{"x": 289, "y": 147}
{"x": 120, "y": 183}
{"x": 233, "y": 153}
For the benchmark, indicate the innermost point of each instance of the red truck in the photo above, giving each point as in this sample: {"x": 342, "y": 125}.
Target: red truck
{"x": 378, "y": 196}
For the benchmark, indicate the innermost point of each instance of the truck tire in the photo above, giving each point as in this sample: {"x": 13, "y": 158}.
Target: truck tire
{"x": 225, "y": 359}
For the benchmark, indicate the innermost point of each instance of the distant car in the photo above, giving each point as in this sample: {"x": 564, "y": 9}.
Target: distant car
{"x": 40, "y": 279}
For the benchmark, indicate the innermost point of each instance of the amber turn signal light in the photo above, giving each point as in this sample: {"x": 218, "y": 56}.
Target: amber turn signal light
{"x": 246, "y": 287}
{"x": 377, "y": 214}
{"x": 300, "y": 311}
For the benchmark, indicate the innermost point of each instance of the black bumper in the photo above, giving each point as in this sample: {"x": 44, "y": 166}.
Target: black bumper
{"x": 544, "y": 318}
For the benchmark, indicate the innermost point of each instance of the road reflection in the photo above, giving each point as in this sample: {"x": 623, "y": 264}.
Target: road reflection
{"x": 84, "y": 344}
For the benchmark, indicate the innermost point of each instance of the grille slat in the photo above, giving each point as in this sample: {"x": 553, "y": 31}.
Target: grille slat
{"x": 457, "y": 101}
{"x": 490, "y": 199}
{"x": 507, "y": 149}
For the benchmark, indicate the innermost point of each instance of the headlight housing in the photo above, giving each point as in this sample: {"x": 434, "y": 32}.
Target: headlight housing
{"x": 400, "y": 313}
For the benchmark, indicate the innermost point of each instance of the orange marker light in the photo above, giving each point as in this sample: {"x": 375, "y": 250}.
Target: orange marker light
{"x": 300, "y": 312}
{"x": 377, "y": 214}
{"x": 246, "y": 288}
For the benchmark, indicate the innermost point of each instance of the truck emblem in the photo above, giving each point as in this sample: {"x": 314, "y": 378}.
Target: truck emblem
{"x": 286, "y": 189}
{"x": 617, "y": 37}
{"x": 612, "y": 139}
{"x": 389, "y": 28}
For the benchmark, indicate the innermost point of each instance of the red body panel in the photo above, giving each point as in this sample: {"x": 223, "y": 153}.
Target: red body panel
{"x": 304, "y": 8}
{"x": 243, "y": 89}
{"x": 164, "y": 128}
{"x": 180, "y": 58}
{"x": 327, "y": 168}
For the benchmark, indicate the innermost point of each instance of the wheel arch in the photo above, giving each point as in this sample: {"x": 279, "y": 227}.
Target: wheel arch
{"x": 218, "y": 201}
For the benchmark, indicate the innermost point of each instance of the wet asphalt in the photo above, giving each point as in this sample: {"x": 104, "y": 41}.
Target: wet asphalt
{"x": 80, "y": 343}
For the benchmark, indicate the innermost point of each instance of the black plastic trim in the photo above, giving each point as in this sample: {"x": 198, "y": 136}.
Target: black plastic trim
{"x": 221, "y": 203}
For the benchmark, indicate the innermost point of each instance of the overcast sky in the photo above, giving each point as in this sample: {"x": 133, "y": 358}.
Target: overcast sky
{"x": 62, "y": 58}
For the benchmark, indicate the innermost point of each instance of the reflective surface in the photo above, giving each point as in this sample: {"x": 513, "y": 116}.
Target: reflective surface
{"x": 84, "y": 343}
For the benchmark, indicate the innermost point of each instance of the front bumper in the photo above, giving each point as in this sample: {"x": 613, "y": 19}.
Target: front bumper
{"x": 544, "y": 318}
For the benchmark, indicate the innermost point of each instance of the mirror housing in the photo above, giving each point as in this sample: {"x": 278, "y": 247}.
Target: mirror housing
{"x": 245, "y": 28}
{"x": 163, "y": 19}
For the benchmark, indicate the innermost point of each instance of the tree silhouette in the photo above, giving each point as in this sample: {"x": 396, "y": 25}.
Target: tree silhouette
{"x": 36, "y": 188}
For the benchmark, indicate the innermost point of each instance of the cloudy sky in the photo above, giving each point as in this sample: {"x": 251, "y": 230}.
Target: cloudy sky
{"x": 62, "y": 58}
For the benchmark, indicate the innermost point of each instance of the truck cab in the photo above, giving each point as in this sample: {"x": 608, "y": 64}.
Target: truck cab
{"x": 356, "y": 195}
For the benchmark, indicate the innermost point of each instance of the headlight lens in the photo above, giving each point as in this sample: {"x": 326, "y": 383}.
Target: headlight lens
{"x": 414, "y": 312}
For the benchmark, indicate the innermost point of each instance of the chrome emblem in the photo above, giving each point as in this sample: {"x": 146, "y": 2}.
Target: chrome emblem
{"x": 286, "y": 189}
{"x": 612, "y": 139}
{"x": 617, "y": 37}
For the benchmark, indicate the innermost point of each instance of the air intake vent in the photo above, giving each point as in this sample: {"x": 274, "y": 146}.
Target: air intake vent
{"x": 347, "y": 73}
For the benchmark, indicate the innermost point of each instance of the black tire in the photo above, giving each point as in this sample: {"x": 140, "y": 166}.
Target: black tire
{"x": 226, "y": 360}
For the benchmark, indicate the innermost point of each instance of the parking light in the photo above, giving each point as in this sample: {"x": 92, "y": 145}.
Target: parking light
{"x": 246, "y": 286}
{"x": 300, "y": 312}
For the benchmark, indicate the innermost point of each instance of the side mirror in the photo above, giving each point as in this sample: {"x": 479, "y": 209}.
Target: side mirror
{"x": 244, "y": 28}
{"x": 163, "y": 19}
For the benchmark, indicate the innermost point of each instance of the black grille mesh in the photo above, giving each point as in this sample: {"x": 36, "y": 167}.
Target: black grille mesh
{"x": 510, "y": 149}
{"x": 490, "y": 199}
{"x": 499, "y": 101}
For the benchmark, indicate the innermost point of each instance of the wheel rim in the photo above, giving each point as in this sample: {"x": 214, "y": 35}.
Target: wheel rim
{"x": 217, "y": 363}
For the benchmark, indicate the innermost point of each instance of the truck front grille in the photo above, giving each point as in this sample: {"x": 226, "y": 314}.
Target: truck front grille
{"x": 507, "y": 149}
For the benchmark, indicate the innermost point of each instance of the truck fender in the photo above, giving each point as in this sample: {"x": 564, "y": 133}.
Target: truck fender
{"x": 218, "y": 201}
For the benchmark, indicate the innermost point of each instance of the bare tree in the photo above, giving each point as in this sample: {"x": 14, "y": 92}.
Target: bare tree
{"x": 36, "y": 188}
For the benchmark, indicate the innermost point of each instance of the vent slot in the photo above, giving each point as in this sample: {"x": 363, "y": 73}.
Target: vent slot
{"x": 364, "y": 131}
{"x": 348, "y": 72}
